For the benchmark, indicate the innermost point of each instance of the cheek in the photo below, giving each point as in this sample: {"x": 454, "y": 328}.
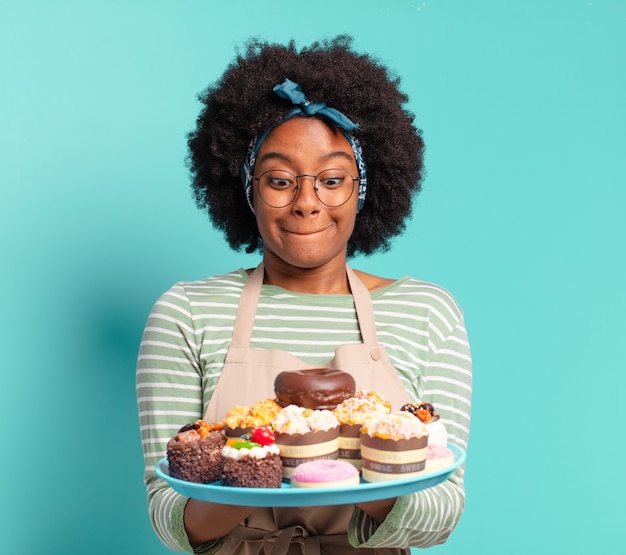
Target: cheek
{"x": 265, "y": 220}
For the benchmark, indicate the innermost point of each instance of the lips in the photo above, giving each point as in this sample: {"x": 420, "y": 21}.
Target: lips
{"x": 305, "y": 231}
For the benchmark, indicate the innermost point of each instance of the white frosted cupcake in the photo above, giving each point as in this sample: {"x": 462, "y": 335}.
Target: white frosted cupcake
{"x": 305, "y": 435}
{"x": 393, "y": 446}
{"x": 352, "y": 414}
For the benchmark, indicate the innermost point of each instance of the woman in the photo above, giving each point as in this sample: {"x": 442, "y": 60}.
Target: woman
{"x": 330, "y": 162}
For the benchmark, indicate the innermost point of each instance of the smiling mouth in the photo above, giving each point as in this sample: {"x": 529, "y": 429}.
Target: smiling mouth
{"x": 305, "y": 231}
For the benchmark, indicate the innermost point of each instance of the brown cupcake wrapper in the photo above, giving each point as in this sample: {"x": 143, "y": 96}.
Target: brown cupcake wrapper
{"x": 350, "y": 430}
{"x": 234, "y": 433}
{"x": 351, "y": 454}
{"x": 349, "y": 443}
{"x": 396, "y": 469}
{"x": 394, "y": 444}
{"x": 301, "y": 451}
{"x": 310, "y": 438}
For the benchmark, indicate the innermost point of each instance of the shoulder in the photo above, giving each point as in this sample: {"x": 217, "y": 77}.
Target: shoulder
{"x": 414, "y": 294}
{"x": 234, "y": 281}
{"x": 372, "y": 282}
{"x": 185, "y": 293}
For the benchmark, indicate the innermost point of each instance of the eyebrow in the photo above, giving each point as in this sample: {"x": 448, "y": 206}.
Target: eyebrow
{"x": 280, "y": 156}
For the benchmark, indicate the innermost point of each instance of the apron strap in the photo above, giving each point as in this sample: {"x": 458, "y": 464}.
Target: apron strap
{"x": 246, "y": 311}
{"x": 364, "y": 309}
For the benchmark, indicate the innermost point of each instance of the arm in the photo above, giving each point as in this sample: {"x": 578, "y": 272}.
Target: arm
{"x": 223, "y": 519}
{"x": 428, "y": 517}
{"x": 169, "y": 395}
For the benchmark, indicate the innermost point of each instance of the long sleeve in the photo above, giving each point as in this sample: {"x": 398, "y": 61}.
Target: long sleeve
{"x": 169, "y": 395}
{"x": 428, "y": 517}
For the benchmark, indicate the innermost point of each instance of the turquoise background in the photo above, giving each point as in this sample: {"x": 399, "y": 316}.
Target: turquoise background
{"x": 521, "y": 218}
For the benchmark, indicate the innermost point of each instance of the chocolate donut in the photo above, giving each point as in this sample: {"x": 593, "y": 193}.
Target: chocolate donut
{"x": 315, "y": 388}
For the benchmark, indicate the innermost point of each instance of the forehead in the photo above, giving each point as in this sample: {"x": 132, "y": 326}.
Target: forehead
{"x": 305, "y": 139}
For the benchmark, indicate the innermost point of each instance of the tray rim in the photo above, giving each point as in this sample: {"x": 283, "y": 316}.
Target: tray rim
{"x": 287, "y": 496}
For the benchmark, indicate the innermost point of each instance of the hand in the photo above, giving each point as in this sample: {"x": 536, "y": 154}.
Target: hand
{"x": 210, "y": 521}
{"x": 378, "y": 510}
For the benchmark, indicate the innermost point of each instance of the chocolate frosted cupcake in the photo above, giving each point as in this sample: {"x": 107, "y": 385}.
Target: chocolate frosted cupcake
{"x": 194, "y": 453}
{"x": 352, "y": 414}
{"x": 392, "y": 447}
{"x": 254, "y": 462}
{"x": 305, "y": 435}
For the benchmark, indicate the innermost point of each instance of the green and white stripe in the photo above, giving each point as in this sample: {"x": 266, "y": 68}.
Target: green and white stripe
{"x": 183, "y": 350}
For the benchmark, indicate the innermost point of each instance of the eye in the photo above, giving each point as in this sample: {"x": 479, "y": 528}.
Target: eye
{"x": 278, "y": 179}
{"x": 332, "y": 179}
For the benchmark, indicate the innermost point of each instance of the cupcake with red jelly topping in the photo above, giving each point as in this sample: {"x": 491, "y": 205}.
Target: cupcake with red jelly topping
{"x": 304, "y": 435}
{"x": 194, "y": 453}
{"x": 393, "y": 446}
{"x": 352, "y": 414}
{"x": 252, "y": 462}
{"x": 439, "y": 454}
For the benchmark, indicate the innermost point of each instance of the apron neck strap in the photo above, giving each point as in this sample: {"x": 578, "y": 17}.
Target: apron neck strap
{"x": 246, "y": 311}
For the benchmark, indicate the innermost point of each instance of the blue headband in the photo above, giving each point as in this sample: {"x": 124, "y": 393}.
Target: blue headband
{"x": 304, "y": 107}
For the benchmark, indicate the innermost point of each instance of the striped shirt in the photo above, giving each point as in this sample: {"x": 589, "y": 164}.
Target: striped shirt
{"x": 183, "y": 350}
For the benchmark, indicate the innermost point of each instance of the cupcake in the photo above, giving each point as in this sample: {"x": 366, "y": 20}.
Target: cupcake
{"x": 305, "y": 435}
{"x": 253, "y": 462}
{"x": 352, "y": 413}
{"x": 326, "y": 473}
{"x": 194, "y": 453}
{"x": 242, "y": 419}
{"x": 438, "y": 454}
{"x": 393, "y": 446}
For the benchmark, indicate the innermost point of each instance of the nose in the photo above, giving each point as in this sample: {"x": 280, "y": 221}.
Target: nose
{"x": 306, "y": 201}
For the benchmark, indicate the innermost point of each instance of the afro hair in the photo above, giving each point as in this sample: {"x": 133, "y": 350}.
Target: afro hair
{"x": 242, "y": 104}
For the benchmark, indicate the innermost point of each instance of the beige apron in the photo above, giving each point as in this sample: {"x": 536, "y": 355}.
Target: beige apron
{"x": 248, "y": 376}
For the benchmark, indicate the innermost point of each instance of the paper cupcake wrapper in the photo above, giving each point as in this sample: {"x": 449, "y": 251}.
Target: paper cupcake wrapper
{"x": 298, "y": 448}
{"x": 234, "y": 433}
{"x": 350, "y": 444}
{"x": 385, "y": 459}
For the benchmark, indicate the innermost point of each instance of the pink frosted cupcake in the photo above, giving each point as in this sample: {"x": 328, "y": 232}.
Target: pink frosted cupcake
{"x": 393, "y": 446}
{"x": 325, "y": 474}
{"x": 304, "y": 435}
{"x": 352, "y": 413}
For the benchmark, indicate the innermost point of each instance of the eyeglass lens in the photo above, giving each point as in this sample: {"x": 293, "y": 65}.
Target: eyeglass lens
{"x": 333, "y": 187}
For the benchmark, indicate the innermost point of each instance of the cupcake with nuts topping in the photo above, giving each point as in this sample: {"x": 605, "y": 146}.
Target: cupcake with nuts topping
{"x": 242, "y": 419}
{"x": 305, "y": 435}
{"x": 393, "y": 446}
{"x": 352, "y": 414}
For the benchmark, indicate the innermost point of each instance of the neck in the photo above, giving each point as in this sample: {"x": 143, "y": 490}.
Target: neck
{"x": 329, "y": 279}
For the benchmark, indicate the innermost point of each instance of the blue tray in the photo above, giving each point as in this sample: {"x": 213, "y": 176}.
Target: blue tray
{"x": 286, "y": 496}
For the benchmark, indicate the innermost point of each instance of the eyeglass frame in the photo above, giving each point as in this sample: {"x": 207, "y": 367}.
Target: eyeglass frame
{"x": 297, "y": 186}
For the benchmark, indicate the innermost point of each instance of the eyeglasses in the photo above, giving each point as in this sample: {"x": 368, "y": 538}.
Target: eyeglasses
{"x": 279, "y": 188}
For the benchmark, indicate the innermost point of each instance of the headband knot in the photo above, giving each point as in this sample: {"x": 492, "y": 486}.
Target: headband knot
{"x": 293, "y": 92}
{"x": 303, "y": 106}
